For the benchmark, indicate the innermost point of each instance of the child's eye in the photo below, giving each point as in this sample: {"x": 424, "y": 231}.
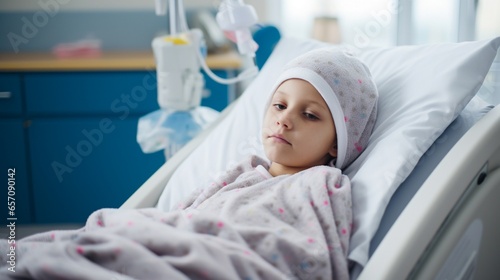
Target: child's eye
{"x": 279, "y": 106}
{"x": 311, "y": 116}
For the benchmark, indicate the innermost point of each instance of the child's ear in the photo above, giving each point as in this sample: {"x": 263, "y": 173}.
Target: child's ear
{"x": 333, "y": 151}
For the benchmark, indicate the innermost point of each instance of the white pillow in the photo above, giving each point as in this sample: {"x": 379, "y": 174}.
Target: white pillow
{"x": 422, "y": 89}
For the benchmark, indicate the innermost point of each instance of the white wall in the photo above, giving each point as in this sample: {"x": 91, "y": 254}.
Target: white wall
{"x": 26, "y": 5}
{"x": 268, "y": 11}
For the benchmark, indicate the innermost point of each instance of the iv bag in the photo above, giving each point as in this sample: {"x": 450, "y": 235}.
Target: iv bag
{"x": 170, "y": 130}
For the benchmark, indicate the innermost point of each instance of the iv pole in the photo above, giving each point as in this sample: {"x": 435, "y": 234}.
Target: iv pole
{"x": 178, "y": 58}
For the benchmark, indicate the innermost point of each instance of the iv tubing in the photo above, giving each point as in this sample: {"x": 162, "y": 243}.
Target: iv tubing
{"x": 182, "y": 16}
{"x": 177, "y": 16}
{"x": 173, "y": 18}
{"x": 250, "y": 72}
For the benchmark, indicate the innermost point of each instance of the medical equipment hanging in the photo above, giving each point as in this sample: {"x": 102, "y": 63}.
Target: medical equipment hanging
{"x": 178, "y": 58}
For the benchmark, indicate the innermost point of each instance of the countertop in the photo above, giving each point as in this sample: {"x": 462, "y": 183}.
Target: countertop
{"x": 138, "y": 60}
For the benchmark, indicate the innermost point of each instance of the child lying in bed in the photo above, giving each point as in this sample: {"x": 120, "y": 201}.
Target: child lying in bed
{"x": 284, "y": 220}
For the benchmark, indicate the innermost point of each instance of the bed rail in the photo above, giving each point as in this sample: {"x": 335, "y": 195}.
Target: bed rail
{"x": 408, "y": 250}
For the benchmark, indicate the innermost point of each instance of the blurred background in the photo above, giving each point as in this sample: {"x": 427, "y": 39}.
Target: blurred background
{"x": 347, "y": 21}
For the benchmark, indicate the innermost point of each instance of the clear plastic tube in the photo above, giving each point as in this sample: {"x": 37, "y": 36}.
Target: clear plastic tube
{"x": 248, "y": 73}
{"x": 182, "y": 16}
{"x": 173, "y": 18}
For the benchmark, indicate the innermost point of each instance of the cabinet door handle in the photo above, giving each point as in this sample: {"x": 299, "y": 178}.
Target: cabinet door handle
{"x": 5, "y": 94}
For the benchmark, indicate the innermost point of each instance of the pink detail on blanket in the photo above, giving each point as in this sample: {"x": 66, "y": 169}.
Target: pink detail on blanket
{"x": 325, "y": 202}
{"x": 281, "y": 210}
{"x": 79, "y": 250}
{"x": 358, "y": 147}
{"x": 205, "y": 274}
{"x": 220, "y": 224}
{"x": 180, "y": 206}
{"x": 46, "y": 268}
{"x": 100, "y": 223}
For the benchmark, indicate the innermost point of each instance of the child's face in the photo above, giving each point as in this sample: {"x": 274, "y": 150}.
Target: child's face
{"x": 298, "y": 129}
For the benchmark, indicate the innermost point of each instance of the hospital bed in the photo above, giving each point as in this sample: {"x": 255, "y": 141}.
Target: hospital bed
{"x": 430, "y": 209}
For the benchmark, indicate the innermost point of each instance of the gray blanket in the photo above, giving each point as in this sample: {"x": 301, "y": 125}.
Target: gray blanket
{"x": 242, "y": 226}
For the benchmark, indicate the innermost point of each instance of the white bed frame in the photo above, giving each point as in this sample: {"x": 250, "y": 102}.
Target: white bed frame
{"x": 449, "y": 227}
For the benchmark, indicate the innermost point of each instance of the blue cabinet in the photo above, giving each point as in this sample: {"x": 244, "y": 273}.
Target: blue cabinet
{"x": 81, "y": 138}
{"x": 13, "y": 156}
{"x": 13, "y": 153}
{"x": 218, "y": 96}
{"x": 118, "y": 94}
{"x": 83, "y": 164}
{"x": 10, "y": 95}
{"x": 72, "y": 138}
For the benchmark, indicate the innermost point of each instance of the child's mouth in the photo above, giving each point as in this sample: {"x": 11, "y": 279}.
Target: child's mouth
{"x": 280, "y": 139}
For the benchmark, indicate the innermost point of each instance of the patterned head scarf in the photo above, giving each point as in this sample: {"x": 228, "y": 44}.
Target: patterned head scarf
{"x": 346, "y": 85}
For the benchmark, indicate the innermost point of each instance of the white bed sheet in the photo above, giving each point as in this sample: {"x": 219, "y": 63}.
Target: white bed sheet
{"x": 422, "y": 89}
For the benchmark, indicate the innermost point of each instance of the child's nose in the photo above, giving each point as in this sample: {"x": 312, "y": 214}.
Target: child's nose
{"x": 285, "y": 121}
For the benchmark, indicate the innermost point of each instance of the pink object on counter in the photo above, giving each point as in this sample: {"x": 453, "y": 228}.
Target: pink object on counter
{"x": 82, "y": 48}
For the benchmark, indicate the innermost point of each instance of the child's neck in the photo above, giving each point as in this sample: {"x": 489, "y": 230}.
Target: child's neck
{"x": 277, "y": 169}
